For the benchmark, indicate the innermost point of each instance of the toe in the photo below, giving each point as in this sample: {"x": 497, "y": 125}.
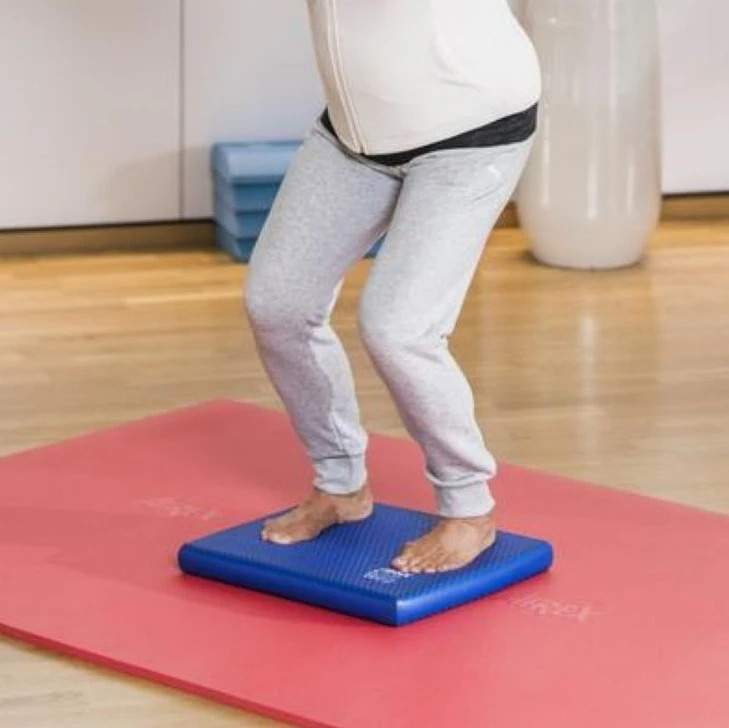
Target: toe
{"x": 410, "y": 568}
{"x": 435, "y": 561}
{"x": 417, "y": 564}
{"x": 280, "y": 537}
{"x": 406, "y": 563}
{"x": 404, "y": 557}
{"x": 415, "y": 557}
{"x": 429, "y": 565}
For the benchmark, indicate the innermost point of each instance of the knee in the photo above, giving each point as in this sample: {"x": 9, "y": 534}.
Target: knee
{"x": 396, "y": 332}
{"x": 384, "y": 329}
{"x": 267, "y": 305}
{"x": 277, "y": 306}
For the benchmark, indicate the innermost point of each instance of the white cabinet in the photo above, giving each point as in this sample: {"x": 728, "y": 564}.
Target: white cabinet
{"x": 89, "y": 122}
{"x": 249, "y": 74}
{"x": 696, "y": 94}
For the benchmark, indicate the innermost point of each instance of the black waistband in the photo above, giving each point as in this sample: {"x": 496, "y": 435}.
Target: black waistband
{"x": 507, "y": 130}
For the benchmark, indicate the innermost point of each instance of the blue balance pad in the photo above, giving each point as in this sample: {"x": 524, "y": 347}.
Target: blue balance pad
{"x": 347, "y": 568}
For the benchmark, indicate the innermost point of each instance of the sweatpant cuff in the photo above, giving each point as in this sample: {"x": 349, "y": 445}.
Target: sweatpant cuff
{"x": 340, "y": 475}
{"x": 466, "y": 501}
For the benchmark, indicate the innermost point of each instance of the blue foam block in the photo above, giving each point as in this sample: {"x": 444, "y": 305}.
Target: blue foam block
{"x": 246, "y": 197}
{"x": 240, "y": 224}
{"x": 239, "y": 249}
{"x": 347, "y": 569}
{"x": 254, "y": 161}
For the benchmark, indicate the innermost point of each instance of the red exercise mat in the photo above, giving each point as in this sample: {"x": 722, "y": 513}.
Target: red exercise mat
{"x": 629, "y": 629}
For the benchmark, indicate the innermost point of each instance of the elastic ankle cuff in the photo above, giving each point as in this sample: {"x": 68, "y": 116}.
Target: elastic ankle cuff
{"x": 466, "y": 501}
{"x": 340, "y": 475}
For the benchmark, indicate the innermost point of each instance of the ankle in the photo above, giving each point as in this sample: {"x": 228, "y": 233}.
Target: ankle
{"x": 362, "y": 492}
{"x": 350, "y": 506}
{"x": 478, "y": 521}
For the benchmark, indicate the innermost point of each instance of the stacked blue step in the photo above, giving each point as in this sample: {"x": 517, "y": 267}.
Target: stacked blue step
{"x": 236, "y": 232}
{"x": 246, "y": 197}
{"x": 240, "y": 211}
{"x": 246, "y": 179}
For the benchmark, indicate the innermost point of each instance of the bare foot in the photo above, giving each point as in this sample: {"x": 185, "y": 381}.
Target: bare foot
{"x": 319, "y": 511}
{"x": 453, "y": 543}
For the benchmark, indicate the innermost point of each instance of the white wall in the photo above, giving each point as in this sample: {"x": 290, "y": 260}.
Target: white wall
{"x": 249, "y": 74}
{"x": 89, "y": 126}
{"x": 94, "y": 128}
{"x": 696, "y": 94}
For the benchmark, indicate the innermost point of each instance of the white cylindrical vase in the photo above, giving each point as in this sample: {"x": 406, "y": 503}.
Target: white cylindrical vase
{"x": 590, "y": 196}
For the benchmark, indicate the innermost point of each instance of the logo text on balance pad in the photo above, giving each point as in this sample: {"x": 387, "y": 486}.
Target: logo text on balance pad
{"x": 386, "y": 576}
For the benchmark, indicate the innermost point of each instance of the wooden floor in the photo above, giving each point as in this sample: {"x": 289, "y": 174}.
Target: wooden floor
{"x": 620, "y": 378}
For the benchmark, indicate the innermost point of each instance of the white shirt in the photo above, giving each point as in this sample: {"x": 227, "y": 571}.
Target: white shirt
{"x": 400, "y": 74}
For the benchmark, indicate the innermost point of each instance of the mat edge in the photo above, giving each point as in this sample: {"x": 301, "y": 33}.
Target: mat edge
{"x": 95, "y": 660}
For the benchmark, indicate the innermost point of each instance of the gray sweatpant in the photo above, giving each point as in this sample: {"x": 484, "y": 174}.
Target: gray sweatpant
{"x": 333, "y": 204}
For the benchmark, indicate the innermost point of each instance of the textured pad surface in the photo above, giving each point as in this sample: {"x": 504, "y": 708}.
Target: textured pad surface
{"x": 629, "y": 628}
{"x": 347, "y": 567}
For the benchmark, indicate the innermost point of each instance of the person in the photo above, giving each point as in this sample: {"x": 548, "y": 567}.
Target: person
{"x": 431, "y": 109}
